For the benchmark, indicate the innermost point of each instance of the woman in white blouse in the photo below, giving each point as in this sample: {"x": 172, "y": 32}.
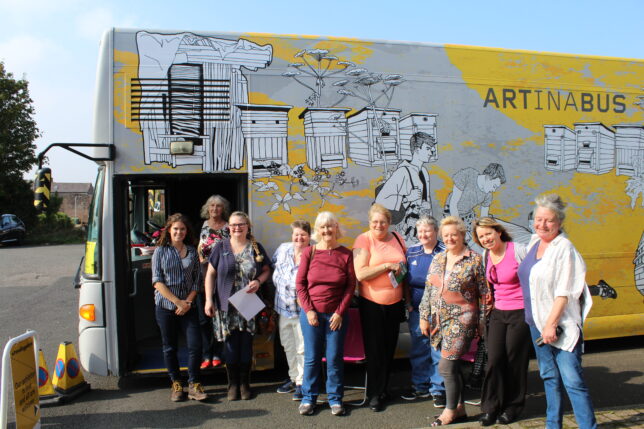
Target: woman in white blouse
{"x": 557, "y": 300}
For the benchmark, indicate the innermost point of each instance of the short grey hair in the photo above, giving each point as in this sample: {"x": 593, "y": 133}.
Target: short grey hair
{"x": 215, "y": 199}
{"x": 428, "y": 221}
{"x": 326, "y": 218}
{"x": 554, "y": 203}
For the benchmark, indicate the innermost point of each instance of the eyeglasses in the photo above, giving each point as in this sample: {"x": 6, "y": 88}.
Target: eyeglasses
{"x": 237, "y": 225}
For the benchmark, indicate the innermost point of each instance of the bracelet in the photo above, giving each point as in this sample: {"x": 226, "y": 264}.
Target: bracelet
{"x": 189, "y": 303}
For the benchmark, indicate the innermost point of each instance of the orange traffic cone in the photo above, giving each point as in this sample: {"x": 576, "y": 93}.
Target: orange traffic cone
{"x": 45, "y": 388}
{"x": 68, "y": 379}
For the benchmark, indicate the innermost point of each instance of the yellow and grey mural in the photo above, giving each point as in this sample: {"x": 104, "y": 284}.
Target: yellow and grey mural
{"x": 336, "y": 124}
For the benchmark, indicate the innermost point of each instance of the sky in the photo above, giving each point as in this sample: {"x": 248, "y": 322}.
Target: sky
{"x": 54, "y": 44}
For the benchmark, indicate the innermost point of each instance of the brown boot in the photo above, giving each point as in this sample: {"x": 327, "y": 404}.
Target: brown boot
{"x": 177, "y": 392}
{"x": 244, "y": 375}
{"x": 195, "y": 391}
{"x": 233, "y": 381}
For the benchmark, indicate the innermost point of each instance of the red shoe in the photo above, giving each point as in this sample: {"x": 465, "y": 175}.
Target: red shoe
{"x": 205, "y": 364}
{"x": 216, "y": 363}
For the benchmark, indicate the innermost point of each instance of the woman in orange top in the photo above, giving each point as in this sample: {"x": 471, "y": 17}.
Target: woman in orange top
{"x": 378, "y": 253}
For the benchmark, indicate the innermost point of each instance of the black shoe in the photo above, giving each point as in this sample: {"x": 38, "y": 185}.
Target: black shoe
{"x": 439, "y": 401}
{"x": 412, "y": 395}
{"x": 376, "y": 404}
{"x": 488, "y": 419}
{"x": 506, "y": 418}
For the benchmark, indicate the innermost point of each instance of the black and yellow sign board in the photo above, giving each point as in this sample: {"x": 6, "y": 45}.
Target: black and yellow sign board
{"x": 25, "y": 384}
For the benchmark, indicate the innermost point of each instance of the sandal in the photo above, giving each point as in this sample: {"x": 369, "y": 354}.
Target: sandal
{"x": 439, "y": 422}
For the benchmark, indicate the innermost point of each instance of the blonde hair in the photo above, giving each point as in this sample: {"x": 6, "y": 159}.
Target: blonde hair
{"x": 326, "y": 218}
{"x": 259, "y": 257}
{"x": 453, "y": 220}
{"x": 379, "y": 208}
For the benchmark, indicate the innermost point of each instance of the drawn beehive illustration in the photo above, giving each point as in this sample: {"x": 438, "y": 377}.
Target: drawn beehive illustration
{"x": 629, "y": 145}
{"x": 325, "y": 130}
{"x": 265, "y": 131}
{"x": 639, "y": 266}
{"x": 193, "y": 96}
{"x": 595, "y": 147}
{"x": 560, "y": 148}
{"x": 414, "y": 123}
{"x": 374, "y": 136}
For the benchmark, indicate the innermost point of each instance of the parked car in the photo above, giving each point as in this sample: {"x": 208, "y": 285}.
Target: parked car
{"x": 12, "y": 229}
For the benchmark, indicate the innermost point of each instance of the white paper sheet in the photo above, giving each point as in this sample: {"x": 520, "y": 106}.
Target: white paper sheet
{"x": 248, "y": 304}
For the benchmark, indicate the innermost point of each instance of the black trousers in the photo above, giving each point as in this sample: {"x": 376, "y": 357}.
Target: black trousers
{"x": 508, "y": 344}
{"x": 380, "y": 327}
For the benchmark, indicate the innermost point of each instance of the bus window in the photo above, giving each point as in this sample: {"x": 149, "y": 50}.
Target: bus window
{"x": 92, "y": 267}
{"x": 147, "y": 209}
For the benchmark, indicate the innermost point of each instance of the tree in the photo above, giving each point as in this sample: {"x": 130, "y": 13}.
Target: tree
{"x": 18, "y": 131}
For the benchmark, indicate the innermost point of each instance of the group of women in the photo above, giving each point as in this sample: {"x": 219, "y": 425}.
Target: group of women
{"x": 451, "y": 293}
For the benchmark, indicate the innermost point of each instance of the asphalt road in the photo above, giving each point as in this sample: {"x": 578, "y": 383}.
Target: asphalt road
{"x": 36, "y": 293}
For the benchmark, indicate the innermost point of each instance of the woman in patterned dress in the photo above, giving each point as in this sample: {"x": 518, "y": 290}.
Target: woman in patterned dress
{"x": 214, "y": 229}
{"x": 236, "y": 263}
{"x": 458, "y": 295}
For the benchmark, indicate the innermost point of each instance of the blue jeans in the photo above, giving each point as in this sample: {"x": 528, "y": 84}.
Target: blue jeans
{"x": 424, "y": 360}
{"x": 558, "y": 367}
{"x": 315, "y": 338}
{"x": 170, "y": 324}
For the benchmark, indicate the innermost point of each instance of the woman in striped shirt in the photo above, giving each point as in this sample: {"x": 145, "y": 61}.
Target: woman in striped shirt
{"x": 176, "y": 276}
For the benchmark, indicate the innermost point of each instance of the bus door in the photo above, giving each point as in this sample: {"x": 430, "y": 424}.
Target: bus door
{"x": 147, "y": 214}
{"x": 150, "y": 200}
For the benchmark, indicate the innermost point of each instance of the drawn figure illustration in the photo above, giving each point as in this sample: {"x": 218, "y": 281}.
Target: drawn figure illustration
{"x": 406, "y": 193}
{"x": 602, "y": 290}
{"x": 189, "y": 88}
{"x": 473, "y": 189}
{"x": 639, "y": 266}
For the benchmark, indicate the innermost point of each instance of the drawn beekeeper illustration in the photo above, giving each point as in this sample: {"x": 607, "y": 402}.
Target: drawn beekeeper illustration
{"x": 406, "y": 193}
{"x": 473, "y": 189}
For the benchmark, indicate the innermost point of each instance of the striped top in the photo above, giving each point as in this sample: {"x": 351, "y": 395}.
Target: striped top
{"x": 168, "y": 269}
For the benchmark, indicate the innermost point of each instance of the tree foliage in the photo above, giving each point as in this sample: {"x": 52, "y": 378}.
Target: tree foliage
{"x": 18, "y": 131}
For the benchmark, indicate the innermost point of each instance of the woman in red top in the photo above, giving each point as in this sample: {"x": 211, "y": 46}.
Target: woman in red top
{"x": 379, "y": 255}
{"x": 325, "y": 282}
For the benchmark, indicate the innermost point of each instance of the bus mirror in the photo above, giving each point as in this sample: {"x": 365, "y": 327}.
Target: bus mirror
{"x": 42, "y": 189}
{"x": 182, "y": 148}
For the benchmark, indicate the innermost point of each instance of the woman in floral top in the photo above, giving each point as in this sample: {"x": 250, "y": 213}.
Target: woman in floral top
{"x": 234, "y": 264}
{"x": 215, "y": 228}
{"x": 458, "y": 295}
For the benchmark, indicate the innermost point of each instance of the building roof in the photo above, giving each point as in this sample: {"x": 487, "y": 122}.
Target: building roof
{"x": 72, "y": 188}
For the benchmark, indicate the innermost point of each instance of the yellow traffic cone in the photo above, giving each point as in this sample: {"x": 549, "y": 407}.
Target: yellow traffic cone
{"x": 45, "y": 388}
{"x": 68, "y": 378}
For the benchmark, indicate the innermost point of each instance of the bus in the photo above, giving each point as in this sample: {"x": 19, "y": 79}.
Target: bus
{"x": 287, "y": 126}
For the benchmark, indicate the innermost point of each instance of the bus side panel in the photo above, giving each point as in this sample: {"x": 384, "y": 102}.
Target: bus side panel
{"x": 92, "y": 341}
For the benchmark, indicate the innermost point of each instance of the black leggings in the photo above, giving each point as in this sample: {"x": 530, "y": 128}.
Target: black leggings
{"x": 451, "y": 372}
{"x": 380, "y": 327}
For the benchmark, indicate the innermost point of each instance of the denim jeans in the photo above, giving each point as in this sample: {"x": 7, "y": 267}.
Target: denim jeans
{"x": 315, "y": 339}
{"x": 170, "y": 324}
{"x": 558, "y": 367}
{"x": 424, "y": 360}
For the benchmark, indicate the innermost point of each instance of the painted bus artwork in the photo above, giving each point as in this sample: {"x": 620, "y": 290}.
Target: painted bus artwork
{"x": 286, "y": 126}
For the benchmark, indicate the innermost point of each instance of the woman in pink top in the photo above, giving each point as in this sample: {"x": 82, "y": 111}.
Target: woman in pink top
{"x": 378, "y": 253}
{"x": 508, "y": 336}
